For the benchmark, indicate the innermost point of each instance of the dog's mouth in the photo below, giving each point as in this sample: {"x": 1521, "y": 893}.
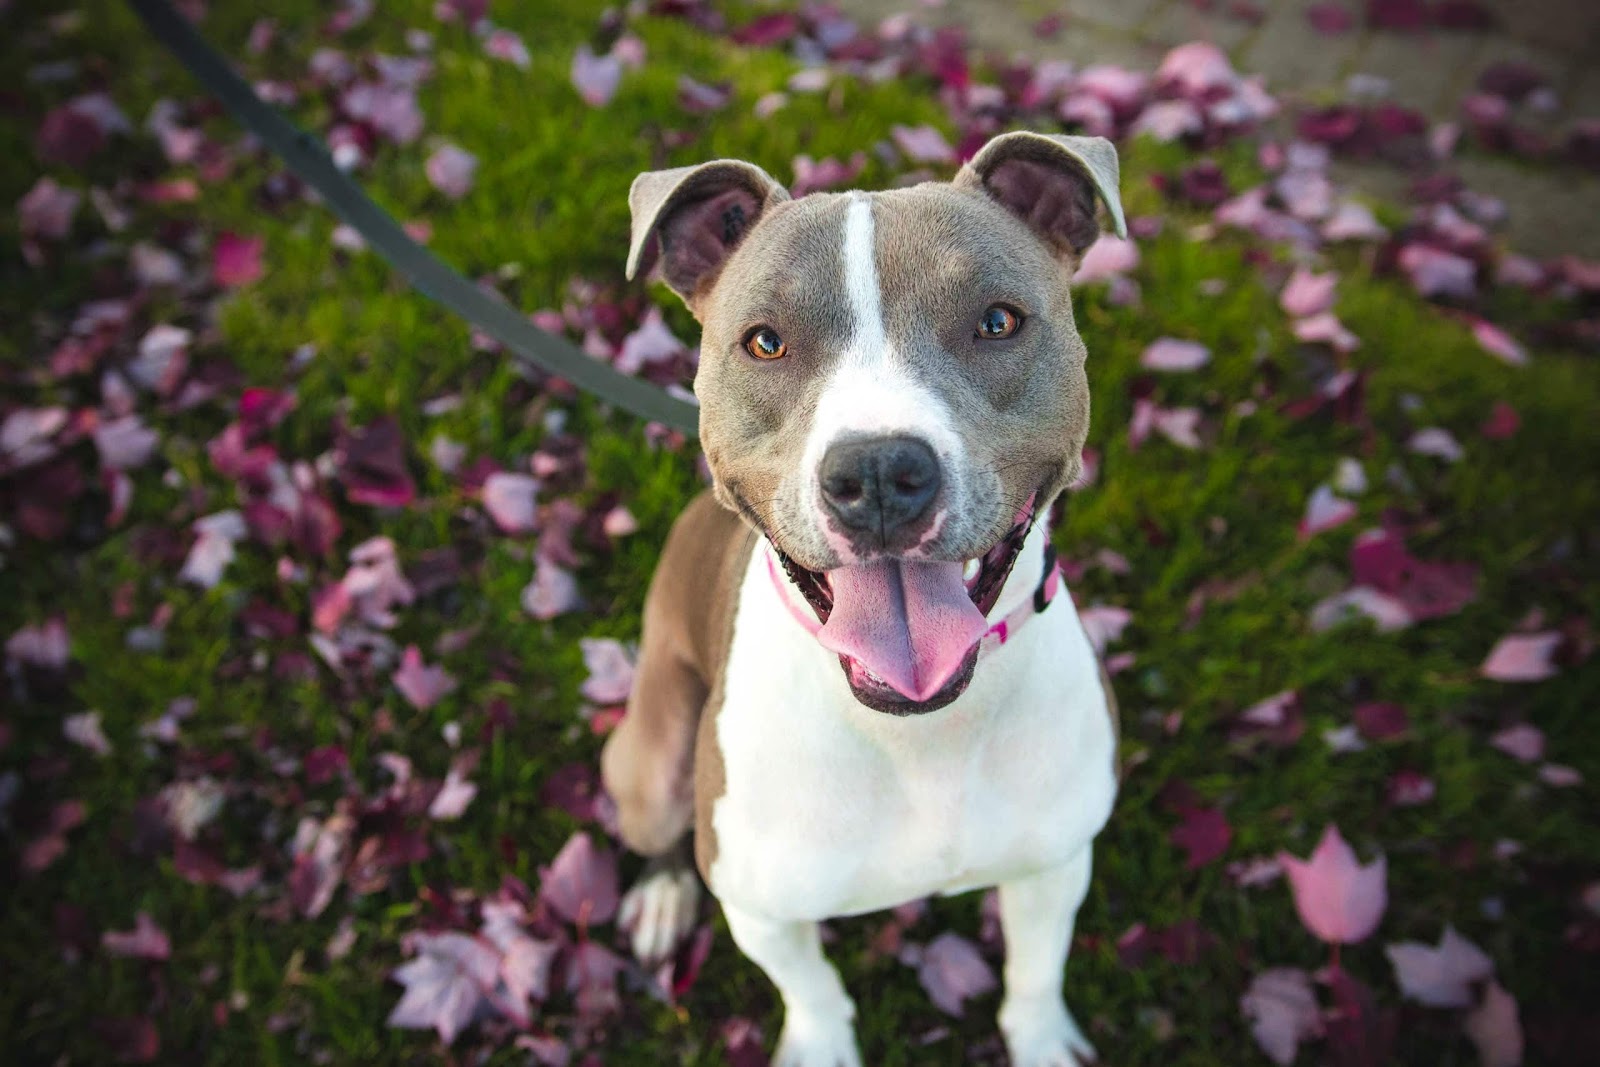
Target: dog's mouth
{"x": 907, "y": 631}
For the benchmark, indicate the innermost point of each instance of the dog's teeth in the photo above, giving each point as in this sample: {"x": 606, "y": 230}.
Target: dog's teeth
{"x": 973, "y": 568}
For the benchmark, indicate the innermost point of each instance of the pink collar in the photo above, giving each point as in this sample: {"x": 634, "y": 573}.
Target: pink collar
{"x": 997, "y": 634}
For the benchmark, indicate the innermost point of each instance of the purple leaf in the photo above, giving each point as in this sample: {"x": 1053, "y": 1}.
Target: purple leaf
{"x": 372, "y": 466}
{"x": 553, "y": 591}
{"x": 421, "y": 685}
{"x": 1324, "y": 511}
{"x": 1282, "y": 1009}
{"x": 952, "y": 970}
{"x": 213, "y": 548}
{"x": 445, "y": 983}
{"x": 1204, "y": 834}
{"x": 1439, "y": 977}
{"x": 1110, "y": 256}
{"x": 1495, "y": 1029}
{"x": 1523, "y": 741}
{"x": 236, "y": 260}
{"x": 85, "y": 730}
{"x": 1308, "y": 294}
{"x": 510, "y": 501}
{"x": 595, "y": 77}
{"x": 1339, "y": 900}
{"x": 1522, "y": 658}
{"x": 47, "y": 210}
{"x": 507, "y": 46}
{"x": 580, "y": 885}
{"x": 453, "y": 797}
{"x": 923, "y": 144}
{"x": 451, "y": 170}
{"x": 1498, "y": 343}
{"x": 610, "y": 670}
{"x": 1171, "y": 354}
{"x": 146, "y": 941}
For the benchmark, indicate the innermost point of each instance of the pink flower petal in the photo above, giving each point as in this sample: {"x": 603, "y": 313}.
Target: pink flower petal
{"x": 1339, "y": 900}
{"x": 146, "y": 941}
{"x": 1282, "y": 1009}
{"x": 1442, "y": 976}
{"x": 47, "y": 210}
{"x": 1107, "y": 258}
{"x": 421, "y": 685}
{"x": 453, "y": 797}
{"x": 507, "y": 46}
{"x": 1523, "y": 741}
{"x": 553, "y": 591}
{"x": 580, "y": 885}
{"x": 445, "y": 983}
{"x": 1498, "y": 343}
{"x": 1308, "y": 294}
{"x": 1327, "y": 329}
{"x": 610, "y": 670}
{"x": 1324, "y": 511}
{"x": 236, "y": 260}
{"x": 952, "y": 970}
{"x": 510, "y": 500}
{"x": 1436, "y": 441}
{"x": 923, "y": 144}
{"x": 1495, "y": 1029}
{"x": 652, "y": 343}
{"x": 84, "y": 729}
{"x": 1434, "y": 272}
{"x": 451, "y": 171}
{"x": 595, "y": 77}
{"x": 1171, "y": 354}
{"x": 1522, "y": 658}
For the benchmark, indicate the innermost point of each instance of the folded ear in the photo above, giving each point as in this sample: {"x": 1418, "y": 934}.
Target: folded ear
{"x": 1050, "y": 182}
{"x": 692, "y": 218}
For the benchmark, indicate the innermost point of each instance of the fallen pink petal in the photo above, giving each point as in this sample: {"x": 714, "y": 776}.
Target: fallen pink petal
{"x": 1339, "y": 899}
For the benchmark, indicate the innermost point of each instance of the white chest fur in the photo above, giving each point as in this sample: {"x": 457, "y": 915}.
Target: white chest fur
{"x": 831, "y": 808}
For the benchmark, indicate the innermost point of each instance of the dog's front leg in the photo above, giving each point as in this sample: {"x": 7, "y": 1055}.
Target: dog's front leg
{"x": 1037, "y": 915}
{"x": 817, "y": 1012}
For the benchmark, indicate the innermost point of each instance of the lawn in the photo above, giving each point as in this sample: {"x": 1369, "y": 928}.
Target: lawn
{"x": 241, "y": 789}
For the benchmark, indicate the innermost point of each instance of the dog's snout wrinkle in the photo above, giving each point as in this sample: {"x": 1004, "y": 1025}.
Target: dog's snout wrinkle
{"x": 879, "y": 485}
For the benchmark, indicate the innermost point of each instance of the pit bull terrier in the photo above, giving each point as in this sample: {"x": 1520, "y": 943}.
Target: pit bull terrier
{"x": 857, "y": 683}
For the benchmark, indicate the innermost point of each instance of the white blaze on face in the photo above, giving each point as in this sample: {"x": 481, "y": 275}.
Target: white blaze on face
{"x": 870, "y": 391}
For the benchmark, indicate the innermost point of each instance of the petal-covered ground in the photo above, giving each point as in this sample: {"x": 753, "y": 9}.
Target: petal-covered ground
{"x": 318, "y": 605}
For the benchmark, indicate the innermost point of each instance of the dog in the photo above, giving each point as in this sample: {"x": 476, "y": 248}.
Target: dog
{"x": 856, "y": 683}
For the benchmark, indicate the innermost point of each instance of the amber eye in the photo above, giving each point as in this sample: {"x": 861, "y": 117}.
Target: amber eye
{"x": 997, "y": 322}
{"x": 764, "y": 343}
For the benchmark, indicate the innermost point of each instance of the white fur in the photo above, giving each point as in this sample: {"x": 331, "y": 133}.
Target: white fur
{"x": 871, "y": 391}
{"x": 830, "y": 808}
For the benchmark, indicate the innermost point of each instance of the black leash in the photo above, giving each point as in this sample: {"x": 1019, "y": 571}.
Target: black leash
{"x": 306, "y": 157}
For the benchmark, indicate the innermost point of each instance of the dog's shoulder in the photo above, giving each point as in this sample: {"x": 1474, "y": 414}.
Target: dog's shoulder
{"x": 695, "y": 590}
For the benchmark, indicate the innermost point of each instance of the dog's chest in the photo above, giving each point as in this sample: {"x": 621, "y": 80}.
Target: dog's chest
{"x": 830, "y": 808}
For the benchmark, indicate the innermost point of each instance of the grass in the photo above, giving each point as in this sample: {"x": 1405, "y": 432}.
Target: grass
{"x": 550, "y": 206}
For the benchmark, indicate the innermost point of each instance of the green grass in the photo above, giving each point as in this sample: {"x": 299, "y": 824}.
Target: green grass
{"x": 550, "y": 204}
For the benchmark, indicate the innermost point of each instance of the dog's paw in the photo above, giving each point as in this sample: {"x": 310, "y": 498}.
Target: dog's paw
{"x": 1044, "y": 1036}
{"x": 816, "y": 1044}
{"x": 660, "y": 910}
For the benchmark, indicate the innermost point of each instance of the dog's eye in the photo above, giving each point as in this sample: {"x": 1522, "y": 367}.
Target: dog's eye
{"x": 997, "y": 322}
{"x": 764, "y": 343}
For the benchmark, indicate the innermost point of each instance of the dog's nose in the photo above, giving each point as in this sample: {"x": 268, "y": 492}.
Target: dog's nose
{"x": 879, "y": 484}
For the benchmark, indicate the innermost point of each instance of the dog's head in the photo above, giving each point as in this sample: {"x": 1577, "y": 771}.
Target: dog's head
{"x": 891, "y": 384}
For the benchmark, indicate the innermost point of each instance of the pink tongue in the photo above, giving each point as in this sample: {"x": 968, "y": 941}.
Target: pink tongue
{"x": 911, "y": 624}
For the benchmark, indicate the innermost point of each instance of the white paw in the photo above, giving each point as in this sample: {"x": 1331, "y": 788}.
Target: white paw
{"x": 660, "y": 910}
{"x": 1044, "y": 1036}
{"x": 816, "y": 1043}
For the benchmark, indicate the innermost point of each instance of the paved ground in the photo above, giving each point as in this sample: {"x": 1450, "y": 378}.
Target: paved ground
{"x": 1555, "y": 210}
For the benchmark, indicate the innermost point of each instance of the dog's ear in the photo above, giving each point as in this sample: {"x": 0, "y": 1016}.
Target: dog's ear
{"x": 692, "y": 218}
{"x": 1050, "y": 182}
